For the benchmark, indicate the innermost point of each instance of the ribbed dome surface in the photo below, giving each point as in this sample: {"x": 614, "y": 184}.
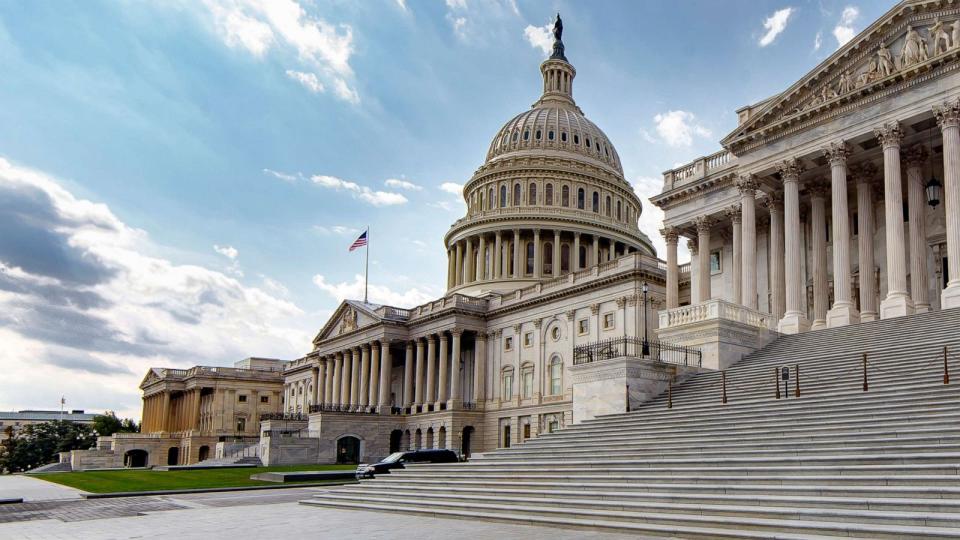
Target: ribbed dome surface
{"x": 555, "y": 127}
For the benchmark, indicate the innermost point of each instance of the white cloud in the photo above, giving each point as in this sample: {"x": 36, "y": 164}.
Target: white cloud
{"x": 282, "y": 176}
{"x": 229, "y": 252}
{"x": 844, "y": 31}
{"x": 274, "y": 286}
{"x": 677, "y": 128}
{"x": 774, "y": 25}
{"x": 452, "y": 188}
{"x": 340, "y": 230}
{"x": 402, "y": 4}
{"x": 540, "y": 37}
{"x": 308, "y": 80}
{"x": 88, "y": 308}
{"x": 651, "y": 218}
{"x": 647, "y": 136}
{"x": 818, "y": 41}
{"x": 258, "y": 25}
{"x": 459, "y": 25}
{"x": 401, "y": 184}
{"x": 457, "y": 4}
{"x": 363, "y": 193}
{"x": 378, "y": 294}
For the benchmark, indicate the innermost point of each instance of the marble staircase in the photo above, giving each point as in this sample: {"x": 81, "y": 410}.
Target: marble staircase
{"x": 834, "y": 462}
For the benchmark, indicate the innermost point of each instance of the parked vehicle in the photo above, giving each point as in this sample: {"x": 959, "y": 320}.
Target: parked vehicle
{"x": 397, "y": 460}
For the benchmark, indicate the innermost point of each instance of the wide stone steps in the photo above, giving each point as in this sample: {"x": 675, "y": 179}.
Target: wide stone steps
{"x": 836, "y": 462}
{"x": 797, "y": 521}
{"x": 884, "y": 514}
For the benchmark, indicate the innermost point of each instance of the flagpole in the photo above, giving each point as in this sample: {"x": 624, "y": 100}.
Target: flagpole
{"x": 366, "y": 271}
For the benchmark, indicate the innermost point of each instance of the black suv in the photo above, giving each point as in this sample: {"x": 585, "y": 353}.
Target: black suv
{"x": 397, "y": 459}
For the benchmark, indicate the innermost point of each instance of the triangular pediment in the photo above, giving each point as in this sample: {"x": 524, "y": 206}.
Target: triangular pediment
{"x": 350, "y": 316}
{"x": 151, "y": 377}
{"x": 915, "y": 38}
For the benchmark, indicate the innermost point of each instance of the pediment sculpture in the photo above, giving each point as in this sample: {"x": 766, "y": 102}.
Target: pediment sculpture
{"x": 348, "y": 322}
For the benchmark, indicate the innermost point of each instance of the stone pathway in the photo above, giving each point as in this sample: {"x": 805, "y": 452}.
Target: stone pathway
{"x": 13, "y": 486}
{"x": 261, "y": 515}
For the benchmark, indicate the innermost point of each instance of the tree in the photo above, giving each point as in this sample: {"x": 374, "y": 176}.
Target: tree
{"x": 39, "y": 444}
{"x": 107, "y": 424}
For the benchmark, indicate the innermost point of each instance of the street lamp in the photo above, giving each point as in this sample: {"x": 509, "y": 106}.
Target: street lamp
{"x": 933, "y": 191}
{"x": 646, "y": 344}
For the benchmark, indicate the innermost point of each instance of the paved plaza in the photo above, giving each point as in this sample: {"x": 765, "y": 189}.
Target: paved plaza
{"x": 250, "y": 514}
{"x": 18, "y": 486}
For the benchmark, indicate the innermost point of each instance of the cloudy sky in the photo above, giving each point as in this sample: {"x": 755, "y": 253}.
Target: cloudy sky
{"x": 180, "y": 180}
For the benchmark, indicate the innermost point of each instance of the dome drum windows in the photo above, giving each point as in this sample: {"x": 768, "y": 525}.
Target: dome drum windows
{"x": 596, "y": 203}
{"x": 607, "y": 206}
{"x": 576, "y": 138}
{"x": 563, "y": 136}
{"x": 503, "y": 196}
{"x": 516, "y": 194}
{"x": 548, "y": 195}
{"x": 539, "y": 135}
{"x": 550, "y": 135}
{"x": 581, "y": 199}
{"x": 532, "y": 194}
{"x": 565, "y": 196}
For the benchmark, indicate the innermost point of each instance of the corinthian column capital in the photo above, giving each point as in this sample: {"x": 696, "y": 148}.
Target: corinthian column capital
{"x": 703, "y": 223}
{"x": 817, "y": 188}
{"x": 889, "y": 134}
{"x": 915, "y": 156}
{"x": 734, "y": 213}
{"x": 790, "y": 169}
{"x": 864, "y": 173}
{"x": 836, "y": 152}
{"x": 948, "y": 113}
{"x": 747, "y": 184}
{"x": 670, "y": 234}
{"x": 773, "y": 202}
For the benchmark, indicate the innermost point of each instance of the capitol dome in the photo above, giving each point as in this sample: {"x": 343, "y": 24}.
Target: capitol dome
{"x": 549, "y": 199}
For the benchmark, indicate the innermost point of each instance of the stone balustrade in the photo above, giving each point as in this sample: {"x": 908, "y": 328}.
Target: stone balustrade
{"x": 716, "y": 309}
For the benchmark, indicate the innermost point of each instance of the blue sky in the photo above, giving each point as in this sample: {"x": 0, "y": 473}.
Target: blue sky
{"x": 180, "y": 181}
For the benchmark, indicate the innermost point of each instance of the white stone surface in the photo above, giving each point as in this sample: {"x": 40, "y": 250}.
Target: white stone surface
{"x": 28, "y": 488}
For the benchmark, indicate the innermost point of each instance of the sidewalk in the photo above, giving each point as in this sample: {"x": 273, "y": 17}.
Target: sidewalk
{"x": 17, "y": 486}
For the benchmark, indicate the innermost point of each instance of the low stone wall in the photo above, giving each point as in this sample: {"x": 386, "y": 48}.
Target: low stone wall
{"x": 82, "y": 460}
{"x": 724, "y": 332}
{"x": 282, "y": 450}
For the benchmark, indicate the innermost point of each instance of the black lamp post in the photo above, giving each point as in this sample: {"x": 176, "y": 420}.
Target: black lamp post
{"x": 646, "y": 344}
{"x": 933, "y": 191}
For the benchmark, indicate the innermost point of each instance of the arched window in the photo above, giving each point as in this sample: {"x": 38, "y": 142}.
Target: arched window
{"x": 596, "y": 202}
{"x": 516, "y": 194}
{"x": 550, "y": 135}
{"x": 506, "y": 383}
{"x": 576, "y": 138}
{"x": 526, "y": 135}
{"x": 608, "y": 206}
{"x": 548, "y": 195}
{"x": 556, "y": 376}
{"x": 581, "y": 198}
{"x": 491, "y": 200}
{"x": 516, "y": 136}
{"x": 548, "y": 258}
{"x": 565, "y": 196}
{"x": 619, "y": 212}
{"x": 526, "y": 374}
{"x": 564, "y": 258}
{"x": 503, "y": 196}
{"x": 539, "y": 136}
{"x": 532, "y": 194}
{"x": 530, "y": 250}
{"x": 563, "y": 136}
{"x": 583, "y": 257}
{"x": 588, "y": 143}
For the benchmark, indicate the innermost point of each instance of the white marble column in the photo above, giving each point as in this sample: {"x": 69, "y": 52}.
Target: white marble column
{"x": 430, "y": 392}
{"x": 444, "y": 375}
{"x": 748, "y": 211}
{"x": 844, "y": 311}
{"x": 355, "y": 379}
{"x": 915, "y": 158}
{"x": 672, "y": 236}
{"x": 322, "y": 384}
{"x": 458, "y": 279}
{"x": 482, "y": 259}
{"x": 818, "y": 241}
{"x": 794, "y": 319}
{"x": 451, "y": 268}
{"x": 537, "y": 255}
{"x": 948, "y": 117}
{"x": 774, "y": 204}
{"x": 703, "y": 223}
{"x": 898, "y": 302}
{"x": 419, "y": 372}
{"x": 455, "y": 394}
{"x": 865, "y": 230}
{"x": 517, "y": 267}
{"x": 386, "y": 374}
{"x": 595, "y": 260}
{"x": 556, "y": 253}
{"x": 364, "y": 396}
{"x": 479, "y": 367}
{"x": 498, "y": 255}
{"x": 408, "y": 376}
{"x": 736, "y": 270}
{"x": 345, "y": 378}
{"x": 575, "y": 256}
{"x": 694, "y": 271}
{"x": 373, "y": 396}
{"x": 468, "y": 262}
{"x": 331, "y": 367}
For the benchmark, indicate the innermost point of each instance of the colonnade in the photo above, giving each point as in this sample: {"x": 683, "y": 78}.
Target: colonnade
{"x": 527, "y": 253}
{"x": 787, "y": 284}
{"x": 164, "y": 412}
{"x": 359, "y": 378}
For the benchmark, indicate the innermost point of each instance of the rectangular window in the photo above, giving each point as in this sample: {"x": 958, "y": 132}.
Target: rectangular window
{"x": 608, "y": 321}
{"x": 264, "y": 399}
{"x": 526, "y": 431}
{"x": 556, "y": 376}
{"x": 583, "y": 326}
{"x": 508, "y": 344}
{"x": 242, "y": 398}
{"x": 528, "y": 384}
{"x": 241, "y": 424}
{"x": 528, "y": 339}
{"x": 507, "y": 391}
{"x": 553, "y": 426}
{"x": 715, "y": 262}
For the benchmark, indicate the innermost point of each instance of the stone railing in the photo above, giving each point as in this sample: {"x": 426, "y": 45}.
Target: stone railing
{"x": 697, "y": 169}
{"x": 716, "y": 309}
{"x": 547, "y": 211}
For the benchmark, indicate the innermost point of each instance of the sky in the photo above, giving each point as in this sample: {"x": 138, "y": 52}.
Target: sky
{"x": 180, "y": 180}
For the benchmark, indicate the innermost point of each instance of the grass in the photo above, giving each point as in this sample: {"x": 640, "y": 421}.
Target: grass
{"x": 147, "y": 480}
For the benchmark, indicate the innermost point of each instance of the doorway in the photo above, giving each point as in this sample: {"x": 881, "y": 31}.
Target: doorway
{"x": 173, "y": 455}
{"x": 348, "y": 450}
{"x": 465, "y": 441}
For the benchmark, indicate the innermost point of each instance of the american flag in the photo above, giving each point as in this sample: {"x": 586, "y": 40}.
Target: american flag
{"x": 359, "y": 242}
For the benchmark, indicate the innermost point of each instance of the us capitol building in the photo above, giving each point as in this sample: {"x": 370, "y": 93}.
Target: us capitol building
{"x": 832, "y": 203}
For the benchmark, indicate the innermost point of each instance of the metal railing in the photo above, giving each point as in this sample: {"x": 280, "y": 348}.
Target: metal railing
{"x": 681, "y": 355}
{"x": 283, "y": 416}
{"x": 351, "y": 409}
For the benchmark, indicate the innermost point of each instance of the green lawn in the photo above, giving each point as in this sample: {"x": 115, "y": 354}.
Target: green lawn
{"x": 146, "y": 480}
